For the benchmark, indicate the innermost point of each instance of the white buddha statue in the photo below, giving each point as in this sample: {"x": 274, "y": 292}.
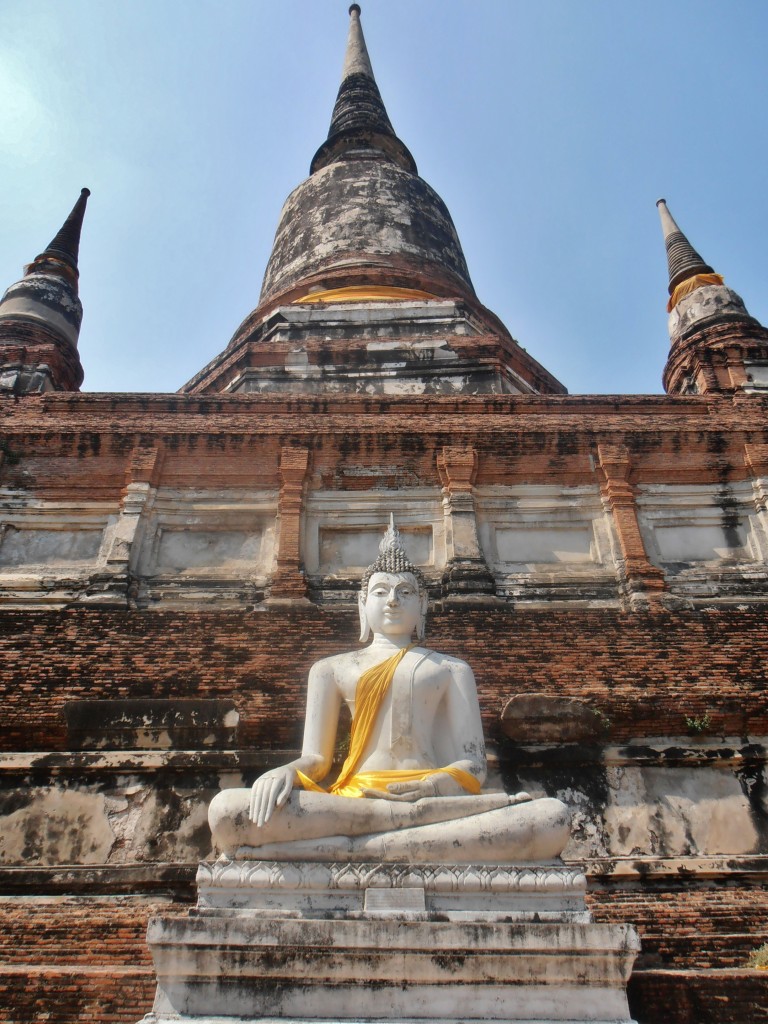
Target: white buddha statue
{"x": 411, "y": 786}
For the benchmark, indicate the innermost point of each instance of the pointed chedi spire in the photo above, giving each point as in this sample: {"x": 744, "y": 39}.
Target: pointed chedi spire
{"x": 360, "y": 120}
{"x": 683, "y": 261}
{"x": 356, "y": 59}
{"x": 40, "y": 317}
{"x": 66, "y": 244}
{"x": 713, "y": 336}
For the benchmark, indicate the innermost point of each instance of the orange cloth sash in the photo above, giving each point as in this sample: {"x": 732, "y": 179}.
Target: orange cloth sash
{"x": 372, "y": 687}
{"x": 690, "y": 284}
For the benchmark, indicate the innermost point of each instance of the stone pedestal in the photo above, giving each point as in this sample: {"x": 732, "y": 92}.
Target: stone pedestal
{"x": 389, "y": 943}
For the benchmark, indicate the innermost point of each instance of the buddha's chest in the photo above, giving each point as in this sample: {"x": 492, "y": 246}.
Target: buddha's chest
{"x": 408, "y": 706}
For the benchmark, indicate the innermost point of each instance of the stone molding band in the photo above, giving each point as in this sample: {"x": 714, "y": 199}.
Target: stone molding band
{"x": 546, "y": 879}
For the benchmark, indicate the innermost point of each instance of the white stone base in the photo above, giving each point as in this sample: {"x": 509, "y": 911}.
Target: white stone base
{"x": 390, "y": 944}
{"x": 152, "y": 1018}
{"x": 487, "y": 892}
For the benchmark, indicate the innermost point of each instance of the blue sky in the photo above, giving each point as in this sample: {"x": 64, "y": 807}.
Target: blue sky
{"x": 549, "y": 128}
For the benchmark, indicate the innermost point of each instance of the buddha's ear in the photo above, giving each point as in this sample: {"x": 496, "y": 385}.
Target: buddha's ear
{"x": 421, "y": 625}
{"x": 365, "y": 629}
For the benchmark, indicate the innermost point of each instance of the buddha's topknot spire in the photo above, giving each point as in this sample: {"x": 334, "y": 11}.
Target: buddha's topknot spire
{"x": 66, "y": 244}
{"x": 359, "y": 120}
{"x": 392, "y": 558}
{"x": 682, "y": 258}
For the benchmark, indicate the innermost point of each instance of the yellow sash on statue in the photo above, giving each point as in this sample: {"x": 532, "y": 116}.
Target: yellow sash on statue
{"x": 371, "y": 689}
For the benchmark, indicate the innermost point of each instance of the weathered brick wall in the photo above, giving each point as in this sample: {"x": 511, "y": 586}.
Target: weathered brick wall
{"x": 646, "y": 672}
{"x": 66, "y": 959}
{"x": 60, "y": 995}
{"x": 699, "y": 997}
{"x": 71, "y": 930}
{"x": 76, "y": 445}
{"x": 693, "y": 926}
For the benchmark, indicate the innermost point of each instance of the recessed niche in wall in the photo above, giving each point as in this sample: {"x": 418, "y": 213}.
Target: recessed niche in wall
{"x": 343, "y": 548}
{"x": 48, "y": 547}
{"x": 700, "y": 543}
{"x": 544, "y": 545}
{"x": 180, "y": 550}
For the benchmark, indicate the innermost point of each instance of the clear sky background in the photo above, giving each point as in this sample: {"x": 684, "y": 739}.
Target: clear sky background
{"x": 549, "y": 127}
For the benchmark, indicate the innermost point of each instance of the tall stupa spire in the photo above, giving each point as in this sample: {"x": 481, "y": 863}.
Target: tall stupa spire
{"x": 359, "y": 120}
{"x": 356, "y": 59}
{"x": 65, "y": 246}
{"x": 682, "y": 259}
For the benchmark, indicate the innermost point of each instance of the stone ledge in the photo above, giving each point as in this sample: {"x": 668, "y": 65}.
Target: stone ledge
{"x": 141, "y": 760}
{"x": 670, "y": 751}
{"x": 179, "y": 878}
{"x": 656, "y": 751}
{"x": 99, "y": 879}
{"x": 683, "y": 869}
{"x": 152, "y": 1018}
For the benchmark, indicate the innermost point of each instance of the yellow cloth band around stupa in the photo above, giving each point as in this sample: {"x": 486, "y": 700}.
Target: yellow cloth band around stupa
{"x": 690, "y": 284}
{"x": 364, "y": 293}
{"x": 372, "y": 687}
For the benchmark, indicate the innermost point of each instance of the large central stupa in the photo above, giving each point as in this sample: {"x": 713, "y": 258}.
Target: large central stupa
{"x": 367, "y": 289}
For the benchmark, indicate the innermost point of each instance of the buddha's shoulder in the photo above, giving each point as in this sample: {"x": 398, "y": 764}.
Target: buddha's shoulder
{"x": 445, "y": 660}
{"x": 335, "y": 663}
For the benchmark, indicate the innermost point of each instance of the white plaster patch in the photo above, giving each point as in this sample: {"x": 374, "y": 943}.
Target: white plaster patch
{"x": 693, "y": 523}
{"x": 701, "y": 810}
{"x": 699, "y": 543}
{"x": 401, "y": 387}
{"x": 198, "y": 533}
{"x": 58, "y": 826}
{"x": 757, "y": 376}
{"x": 23, "y": 546}
{"x": 153, "y": 837}
{"x": 180, "y": 550}
{"x": 544, "y": 545}
{"x": 543, "y": 529}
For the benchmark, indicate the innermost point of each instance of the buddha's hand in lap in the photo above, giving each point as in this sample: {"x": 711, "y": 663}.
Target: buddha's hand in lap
{"x": 269, "y": 792}
{"x": 435, "y": 785}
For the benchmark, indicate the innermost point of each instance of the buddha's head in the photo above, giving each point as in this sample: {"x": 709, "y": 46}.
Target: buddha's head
{"x": 393, "y": 594}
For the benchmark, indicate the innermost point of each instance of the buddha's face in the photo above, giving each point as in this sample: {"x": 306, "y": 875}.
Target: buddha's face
{"x": 393, "y": 605}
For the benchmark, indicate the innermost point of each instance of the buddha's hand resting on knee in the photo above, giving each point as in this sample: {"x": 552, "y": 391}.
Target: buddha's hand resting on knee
{"x": 438, "y": 784}
{"x": 269, "y": 792}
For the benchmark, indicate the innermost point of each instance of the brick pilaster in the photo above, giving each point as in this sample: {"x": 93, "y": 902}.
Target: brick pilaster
{"x": 756, "y": 460}
{"x": 290, "y": 582}
{"x": 142, "y": 476}
{"x": 619, "y": 494}
{"x": 466, "y": 571}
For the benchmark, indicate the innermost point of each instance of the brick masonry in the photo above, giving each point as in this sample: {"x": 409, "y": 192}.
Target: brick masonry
{"x": 645, "y": 671}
